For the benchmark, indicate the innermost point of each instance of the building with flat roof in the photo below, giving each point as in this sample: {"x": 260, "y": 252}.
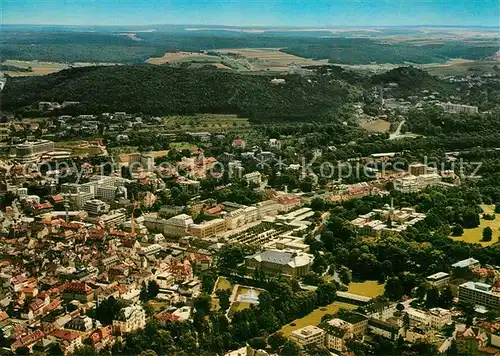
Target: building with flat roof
{"x": 95, "y": 207}
{"x": 470, "y": 262}
{"x": 30, "y": 151}
{"x": 438, "y": 279}
{"x": 208, "y": 229}
{"x": 479, "y": 294}
{"x": 308, "y": 335}
{"x": 459, "y": 108}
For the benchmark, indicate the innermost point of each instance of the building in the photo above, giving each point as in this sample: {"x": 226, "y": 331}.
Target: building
{"x": 30, "y": 151}
{"x": 337, "y": 332}
{"x": 77, "y": 291}
{"x": 129, "y": 319}
{"x": 275, "y": 262}
{"x": 439, "y": 317}
{"x": 439, "y": 279}
{"x": 383, "y": 328}
{"x": 459, "y": 108}
{"x": 308, "y": 335}
{"x": 417, "y": 169}
{"x": 412, "y": 184}
{"x": 95, "y": 207}
{"x": 177, "y": 226}
{"x": 253, "y": 178}
{"x": 481, "y": 294}
{"x": 387, "y": 220}
{"x": 470, "y": 262}
{"x": 208, "y": 229}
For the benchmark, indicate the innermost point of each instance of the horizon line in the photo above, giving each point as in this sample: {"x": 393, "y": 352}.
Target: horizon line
{"x": 256, "y": 26}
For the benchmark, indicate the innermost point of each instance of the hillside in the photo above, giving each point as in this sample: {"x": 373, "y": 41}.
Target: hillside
{"x": 159, "y": 90}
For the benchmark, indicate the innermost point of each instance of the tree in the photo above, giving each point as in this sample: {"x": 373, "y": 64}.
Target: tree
{"x": 223, "y": 295}
{"x": 345, "y": 275}
{"x": 202, "y": 304}
{"x": 432, "y": 299}
{"x": 394, "y": 289}
{"x": 446, "y": 297}
{"x": 257, "y": 343}
{"x": 400, "y": 307}
{"x": 457, "y": 230}
{"x": 497, "y": 208}
{"x": 290, "y": 348}
{"x": 326, "y": 293}
{"x": 487, "y": 234}
{"x": 406, "y": 322}
{"x": 453, "y": 349}
{"x": 153, "y": 289}
{"x": 276, "y": 340}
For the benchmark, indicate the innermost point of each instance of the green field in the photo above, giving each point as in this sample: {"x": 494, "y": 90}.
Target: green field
{"x": 475, "y": 235}
{"x": 314, "y": 318}
{"x": 207, "y": 123}
{"x": 367, "y": 288}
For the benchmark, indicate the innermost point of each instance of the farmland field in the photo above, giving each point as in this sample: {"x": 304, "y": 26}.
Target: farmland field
{"x": 315, "y": 317}
{"x": 475, "y": 235}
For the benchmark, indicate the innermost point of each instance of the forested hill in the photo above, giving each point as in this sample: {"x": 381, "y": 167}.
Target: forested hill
{"x": 162, "y": 90}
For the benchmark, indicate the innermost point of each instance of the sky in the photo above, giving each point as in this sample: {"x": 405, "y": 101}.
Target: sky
{"x": 290, "y": 13}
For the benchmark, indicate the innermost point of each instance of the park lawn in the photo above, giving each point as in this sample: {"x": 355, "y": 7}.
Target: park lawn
{"x": 314, "y": 318}
{"x": 475, "y": 235}
{"x": 367, "y": 288}
{"x": 222, "y": 283}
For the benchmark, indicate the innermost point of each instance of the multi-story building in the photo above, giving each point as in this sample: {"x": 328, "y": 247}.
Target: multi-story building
{"x": 383, "y": 328}
{"x": 459, "y": 108}
{"x": 253, "y": 177}
{"x": 31, "y": 151}
{"x": 208, "y": 229}
{"x": 482, "y": 294}
{"x": 337, "y": 333}
{"x": 287, "y": 263}
{"x": 308, "y": 335}
{"x": 439, "y": 317}
{"x": 412, "y": 184}
{"x": 177, "y": 226}
{"x": 439, "y": 279}
{"x": 95, "y": 207}
{"x": 129, "y": 319}
{"x": 417, "y": 169}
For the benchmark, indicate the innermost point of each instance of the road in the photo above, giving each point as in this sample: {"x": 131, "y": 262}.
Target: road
{"x": 397, "y": 133}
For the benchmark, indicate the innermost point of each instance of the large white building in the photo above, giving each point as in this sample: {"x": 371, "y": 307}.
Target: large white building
{"x": 479, "y": 294}
{"x": 308, "y": 335}
{"x": 459, "y": 108}
{"x": 177, "y": 226}
{"x": 30, "y": 151}
{"x": 412, "y": 184}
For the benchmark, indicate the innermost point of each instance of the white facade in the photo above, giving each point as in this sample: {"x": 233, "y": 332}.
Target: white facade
{"x": 308, "y": 335}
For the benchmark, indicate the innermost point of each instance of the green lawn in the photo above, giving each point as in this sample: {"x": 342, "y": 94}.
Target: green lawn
{"x": 314, "y": 317}
{"x": 475, "y": 235}
{"x": 367, "y": 288}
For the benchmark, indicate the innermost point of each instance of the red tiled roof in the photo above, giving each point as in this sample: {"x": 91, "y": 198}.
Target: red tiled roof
{"x": 167, "y": 317}
{"x": 76, "y": 287}
{"x": 65, "y": 334}
{"x": 57, "y": 198}
{"x": 28, "y": 339}
{"x": 40, "y": 206}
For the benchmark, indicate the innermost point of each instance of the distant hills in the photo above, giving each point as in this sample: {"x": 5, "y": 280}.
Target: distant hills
{"x": 109, "y": 44}
{"x": 160, "y": 90}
